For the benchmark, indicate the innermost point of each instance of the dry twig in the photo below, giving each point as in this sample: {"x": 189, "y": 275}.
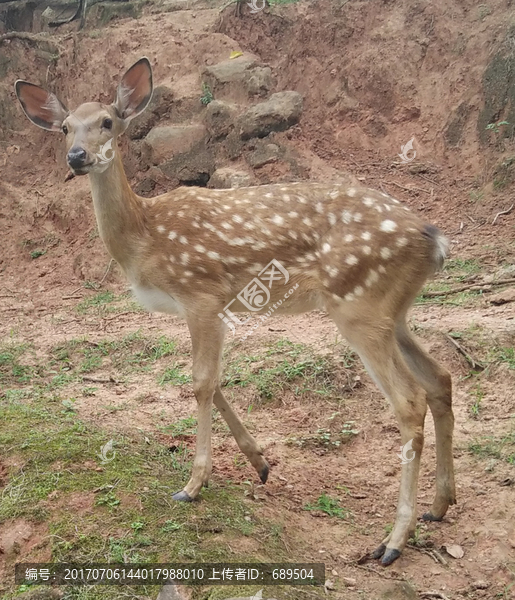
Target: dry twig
{"x": 408, "y": 189}
{"x": 480, "y": 287}
{"x": 503, "y": 212}
{"x": 476, "y": 365}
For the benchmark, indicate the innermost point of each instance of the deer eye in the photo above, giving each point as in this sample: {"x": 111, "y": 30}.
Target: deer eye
{"x": 65, "y": 130}
{"x": 107, "y": 123}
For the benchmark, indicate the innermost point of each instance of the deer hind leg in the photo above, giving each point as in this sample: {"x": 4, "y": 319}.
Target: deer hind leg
{"x": 437, "y": 382}
{"x": 207, "y": 336}
{"x": 374, "y": 340}
{"x": 245, "y": 441}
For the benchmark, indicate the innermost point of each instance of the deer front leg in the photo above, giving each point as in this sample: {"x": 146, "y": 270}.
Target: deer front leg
{"x": 207, "y": 339}
{"x": 246, "y": 443}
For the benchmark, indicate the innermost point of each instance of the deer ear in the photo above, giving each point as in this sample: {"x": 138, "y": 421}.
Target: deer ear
{"x": 135, "y": 90}
{"x": 43, "y": 108}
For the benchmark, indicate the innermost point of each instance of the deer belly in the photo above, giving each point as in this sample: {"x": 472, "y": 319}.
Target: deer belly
{"x": 155, "y": 300}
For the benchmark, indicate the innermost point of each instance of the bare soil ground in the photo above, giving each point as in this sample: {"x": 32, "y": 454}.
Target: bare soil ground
{"x": 382, "y": 74}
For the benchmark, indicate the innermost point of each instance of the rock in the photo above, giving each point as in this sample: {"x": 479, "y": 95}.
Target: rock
{"x": 259, "y": 81}
{"x": 264, "y": 154}
{"x": 103, "y": 13}
{"x": 238, "y": 77}
{"x": 399, "y": 591}
{"x": 160, "y": 107}
{"x": 454, "y": 550}
{"x": 168, "y": 141}
{"x": 480, "y": 585}
{"x": 187, "y": 105}
{"x": 504, "y": 297}
{"x": 227, "y": 177}
{"x": 233, "y": 145}
{"x": 191, "y": 168}
{"x": 279, "y": 112}
{"x": 219, "y": 118}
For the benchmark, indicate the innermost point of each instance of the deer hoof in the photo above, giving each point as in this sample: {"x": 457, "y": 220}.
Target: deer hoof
{"x": 379, "y": 551}
{"x": 182, "y": 496}
{"x": 264, "y": 473}
{"x": 389, "y": 556}
{"x": 429, "y": 517}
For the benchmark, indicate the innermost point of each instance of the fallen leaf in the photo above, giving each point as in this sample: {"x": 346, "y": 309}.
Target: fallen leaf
{"x": 454, "y": 550}
{"x": 235, "y": 54}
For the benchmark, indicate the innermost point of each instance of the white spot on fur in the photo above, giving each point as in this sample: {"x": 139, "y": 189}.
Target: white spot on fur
{"x": 226, "y": 225}
{"x": 372, "y": 277}
{"x": 352, "y": 260}
{"x": 331, "y": 217}
{"x": 307, "y": 221}
{"x": 183, "y": 239}
{"x": 401, "y": 242}
{"x": 293, "y": 214}
{"x": 326, "y": 248}
{"x": 213, "y": 255}
{"x": 358, "y": 290}
{"x": 278, "y": 220}
{"x": 368, "y": 201}
{"x": 351, "y": 192}
{"x": 388, "y": 226}
{"x": 199, "y": 248}
{"x": 346, "y": 216}
{"x": 385, "y": 253}
{"x": 185, "y": 258}
{"x": 349, "y": 297}
{"x": 237, "y": 219}
{"x": 381, "y": 269}
{"x": 358, "y": 217}
{"x": 160, "y": 229}
{"x": 367, "y": 250}
{"x": 366, "y": 235}
{"x": 348, "y": 238}
{"x": 172, "y": 235}
{"x": 334, "y": 194}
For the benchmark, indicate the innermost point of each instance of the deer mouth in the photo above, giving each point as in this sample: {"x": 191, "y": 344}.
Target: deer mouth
{"x": 83, "y": 170}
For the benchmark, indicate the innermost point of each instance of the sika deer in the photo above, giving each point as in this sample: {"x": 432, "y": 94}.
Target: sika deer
{"x": 357, "y": 253}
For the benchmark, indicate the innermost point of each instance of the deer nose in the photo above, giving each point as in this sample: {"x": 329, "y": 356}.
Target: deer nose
{"x": 76, "y": 157}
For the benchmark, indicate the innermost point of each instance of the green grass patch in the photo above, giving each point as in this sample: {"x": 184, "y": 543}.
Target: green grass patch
{"x": 498, "y": 447}
{"x": 328, "y": 505}
{"x": 462, "y": 268}
{"x": 133, "y": 352}
{"x": 106, "y": 302}
{"x": 285, "y": 366}
{"x": 505, "y": 355}
{"x": 126, "y": 513}
{"x": 477, "y": 395}
{"x": 95, "y": 301}
{"x": 175, "y": 376}
{"x": 187, "y": 426}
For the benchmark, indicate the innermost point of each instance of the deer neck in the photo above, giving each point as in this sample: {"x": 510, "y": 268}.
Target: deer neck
{"x": 119, "y": 212}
